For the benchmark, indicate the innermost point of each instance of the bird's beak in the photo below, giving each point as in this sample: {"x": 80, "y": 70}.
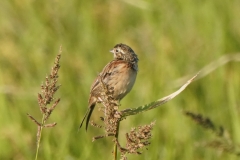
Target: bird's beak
{"x": 111, "y": 51}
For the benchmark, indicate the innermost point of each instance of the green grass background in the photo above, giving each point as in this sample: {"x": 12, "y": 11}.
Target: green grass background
{"x": 172, "y": 38}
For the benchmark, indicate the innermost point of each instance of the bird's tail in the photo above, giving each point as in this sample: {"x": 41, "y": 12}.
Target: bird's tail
{"x": 87, "y": 115}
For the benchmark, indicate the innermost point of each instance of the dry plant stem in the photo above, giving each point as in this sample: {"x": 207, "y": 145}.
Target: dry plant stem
{"x": 45, "y": 98}
{"x": 39, "y": 134}
{"x": 112, "y": 116}
{"x": 103, "y": 136}
{"x": 116, "y": 145}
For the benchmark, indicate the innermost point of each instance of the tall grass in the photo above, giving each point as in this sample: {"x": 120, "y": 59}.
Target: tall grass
{"x": 172, "y": 39}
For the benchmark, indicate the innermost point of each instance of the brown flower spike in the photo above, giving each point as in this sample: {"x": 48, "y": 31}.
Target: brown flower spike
{"x": 46, "y": 97}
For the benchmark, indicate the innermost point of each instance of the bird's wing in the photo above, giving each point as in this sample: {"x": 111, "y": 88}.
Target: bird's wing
{"x": 106, "y": 72}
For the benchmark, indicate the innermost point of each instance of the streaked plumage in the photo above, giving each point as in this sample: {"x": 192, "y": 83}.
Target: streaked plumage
{"x": 119, "y": 74}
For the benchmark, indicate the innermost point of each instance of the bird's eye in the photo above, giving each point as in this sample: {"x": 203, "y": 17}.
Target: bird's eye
{"x": 116, "y": 50}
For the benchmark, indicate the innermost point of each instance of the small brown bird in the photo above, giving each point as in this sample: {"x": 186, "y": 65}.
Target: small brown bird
{"x": 119, "y": 74}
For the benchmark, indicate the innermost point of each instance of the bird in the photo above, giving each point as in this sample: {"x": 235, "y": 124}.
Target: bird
{"x": 119, "y": 74}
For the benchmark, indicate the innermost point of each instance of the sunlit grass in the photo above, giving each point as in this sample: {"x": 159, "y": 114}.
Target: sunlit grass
{"x": 172, "y": 39}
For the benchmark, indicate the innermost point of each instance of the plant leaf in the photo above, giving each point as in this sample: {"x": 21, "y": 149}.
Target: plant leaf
{"x": 152, "y": 105}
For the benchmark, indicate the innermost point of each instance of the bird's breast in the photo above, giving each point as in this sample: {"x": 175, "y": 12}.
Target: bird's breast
{"x": 121, "y": 79}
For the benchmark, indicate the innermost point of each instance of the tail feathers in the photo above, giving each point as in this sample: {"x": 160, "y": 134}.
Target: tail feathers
{"x": 87, "y": 115}
{"x": 84, "y": 118}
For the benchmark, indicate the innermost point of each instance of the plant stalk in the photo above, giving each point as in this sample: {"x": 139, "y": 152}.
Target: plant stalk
{"x": 116, "y": 137}
{"x": 39, "y": 136}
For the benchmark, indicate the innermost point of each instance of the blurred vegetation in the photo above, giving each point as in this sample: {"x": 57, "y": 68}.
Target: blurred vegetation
{"x": 172, "y": 39}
